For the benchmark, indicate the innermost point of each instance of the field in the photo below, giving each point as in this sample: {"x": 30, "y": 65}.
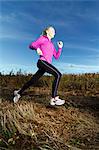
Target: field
{"x": 32, "y": 124}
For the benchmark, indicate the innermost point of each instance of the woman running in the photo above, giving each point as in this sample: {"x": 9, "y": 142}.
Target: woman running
{"x": 46, "y": 50}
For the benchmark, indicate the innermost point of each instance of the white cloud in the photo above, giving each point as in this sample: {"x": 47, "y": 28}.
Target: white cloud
{"x": 77, "y": 46}
{"x": 17, "y": 18}
{"x": 74, "y": 68}
{"x": 7, "y": 17}
{"x": 7, "y": 68}
{"x": 88, "y": 14}
{"x": 94, "y": 40}
{"x": 11, "y": 27}
{"x": 19, "y": 36}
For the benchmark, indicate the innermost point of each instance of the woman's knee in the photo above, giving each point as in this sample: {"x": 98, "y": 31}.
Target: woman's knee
{"x": 58, "y": 74}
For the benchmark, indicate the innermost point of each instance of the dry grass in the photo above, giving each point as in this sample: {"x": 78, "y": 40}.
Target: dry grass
{"x": 32, "y": 125}
{"x": 55, "y": 128}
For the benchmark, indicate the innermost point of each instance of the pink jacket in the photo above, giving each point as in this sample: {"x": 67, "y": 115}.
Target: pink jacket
{"x": 47, "y": 48}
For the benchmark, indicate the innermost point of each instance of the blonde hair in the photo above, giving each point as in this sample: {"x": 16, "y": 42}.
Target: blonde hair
{"x": 44, "y": 31}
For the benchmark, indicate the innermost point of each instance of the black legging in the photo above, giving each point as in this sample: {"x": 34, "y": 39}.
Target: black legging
{"x": 44, "y": 66}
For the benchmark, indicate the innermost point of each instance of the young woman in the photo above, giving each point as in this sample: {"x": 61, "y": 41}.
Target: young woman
{"x": 45, "y": 48}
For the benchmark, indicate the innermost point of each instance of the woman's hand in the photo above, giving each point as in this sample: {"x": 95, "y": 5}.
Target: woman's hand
{"x": 39, "y": 51}
{"x": 60, "y": 44}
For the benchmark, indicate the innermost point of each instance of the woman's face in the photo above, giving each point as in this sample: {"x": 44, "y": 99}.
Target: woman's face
{"x": 51, "y": 32}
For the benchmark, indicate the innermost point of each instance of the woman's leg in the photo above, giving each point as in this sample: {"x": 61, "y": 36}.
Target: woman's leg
{"x": 33, "y": 80}
{"x": 52, "y": 70}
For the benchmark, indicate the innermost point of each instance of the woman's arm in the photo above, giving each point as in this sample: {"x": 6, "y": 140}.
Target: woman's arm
{"x": 36, "y": 44}
{"x": 57, "y": 54}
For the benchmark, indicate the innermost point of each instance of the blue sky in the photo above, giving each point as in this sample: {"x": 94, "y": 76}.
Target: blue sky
{"x": 76, "y": 24}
